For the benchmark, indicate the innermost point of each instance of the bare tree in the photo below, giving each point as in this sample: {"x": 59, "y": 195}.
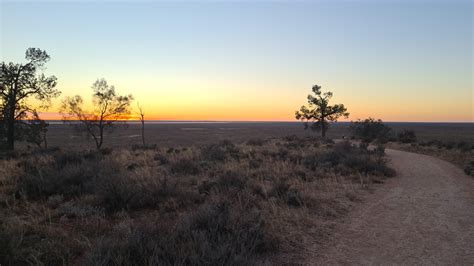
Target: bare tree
{"x": 18, "y": 84}
{"x": 142, "y": 120}
{"x": 319, "y": 112}
{"x": 110, "y": 109}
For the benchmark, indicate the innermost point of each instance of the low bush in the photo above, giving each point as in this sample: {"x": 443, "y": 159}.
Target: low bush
{"x": 256, "y": 142}
{"x": 407, "y": 136}
{"x": 370, "y": 129}
{"x": 469, "y": 169}
{"x": 186, "y": 166}
{"x": 221, "y": 151}
{"x": 65, "y": 175}
{"x": 24, "y": 244}
{"x": 214, "y": 234}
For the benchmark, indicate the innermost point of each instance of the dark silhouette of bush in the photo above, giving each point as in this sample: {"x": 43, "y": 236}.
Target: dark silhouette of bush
{"x": 465, "y": 146}
{"x": 346, "y": 158}
{"x": 407, "y": 136}
{"x": 469, "y": 169}
{"x": 369, "y": 130}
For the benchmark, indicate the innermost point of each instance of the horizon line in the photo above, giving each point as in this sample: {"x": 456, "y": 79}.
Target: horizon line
{"x": 266, "y": 121}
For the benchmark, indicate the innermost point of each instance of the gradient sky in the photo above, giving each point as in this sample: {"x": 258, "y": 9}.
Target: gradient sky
{"x": 247, "y": 60}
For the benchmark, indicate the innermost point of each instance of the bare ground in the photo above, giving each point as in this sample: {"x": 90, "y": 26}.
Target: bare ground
{"x": 425, "y": 216}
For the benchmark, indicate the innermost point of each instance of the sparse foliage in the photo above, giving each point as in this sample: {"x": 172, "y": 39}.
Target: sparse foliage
{"x": 109, "y": 110}
{"x": 19, "y": 83}
{"x": 319, "y": 112}
{"x": 141, "y": 114}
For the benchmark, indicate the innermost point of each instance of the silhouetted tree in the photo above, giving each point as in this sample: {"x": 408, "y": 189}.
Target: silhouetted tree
{"x": 109, "y": 109}
{"x": 369, "y": 130}
{"x": 319, "y": 112}
{"x": 142, "y": 120}
{"x": 18, "y": 84}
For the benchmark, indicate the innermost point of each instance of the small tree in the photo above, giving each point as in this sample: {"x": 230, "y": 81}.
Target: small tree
{"x": 319, "y": 112}
{"x": 142, "y": 120}
{"x": 109, "y": 110}
{"x": 18, "y": 84}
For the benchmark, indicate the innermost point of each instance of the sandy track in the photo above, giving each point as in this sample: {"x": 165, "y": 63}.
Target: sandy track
{"x": 424, "y": 216}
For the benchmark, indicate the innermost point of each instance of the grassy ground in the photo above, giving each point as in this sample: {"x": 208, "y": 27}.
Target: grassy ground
{"x": 262, "y": 201}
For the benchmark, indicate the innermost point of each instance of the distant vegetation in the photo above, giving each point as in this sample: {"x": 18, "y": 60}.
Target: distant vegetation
{"x": 318, "y": 112}
{"x": 217, "y": 204}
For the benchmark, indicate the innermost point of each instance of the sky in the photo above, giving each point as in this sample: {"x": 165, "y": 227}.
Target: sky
{"x": 256, "y": 60}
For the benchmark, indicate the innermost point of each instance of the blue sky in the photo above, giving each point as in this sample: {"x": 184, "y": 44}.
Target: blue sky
{"x": 397, "y": 60}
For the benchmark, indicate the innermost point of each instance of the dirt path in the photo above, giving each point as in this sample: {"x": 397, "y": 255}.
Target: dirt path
{"x": 424, "y": 216}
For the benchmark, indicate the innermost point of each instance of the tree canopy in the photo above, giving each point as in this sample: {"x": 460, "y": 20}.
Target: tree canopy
{"x": 319, "y": 112}
{"x": 18, "y": 84}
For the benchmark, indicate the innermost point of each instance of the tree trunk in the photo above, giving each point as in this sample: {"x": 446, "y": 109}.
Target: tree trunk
{"x": 10, "y": 133}
{"x": 101, "y": 137}
{"x": 45, "y": 141}
{"x": 11, "y": 122}
{"x": 143, "y": 131}
{"x": 323, "y": 128}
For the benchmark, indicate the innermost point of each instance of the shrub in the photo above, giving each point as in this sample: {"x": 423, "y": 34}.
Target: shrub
{"x": 256, "y": 142}
{"x": 185, "y": 166}
{"x": 464, "y": 146}
{"x": 225, "y": 181}
{"x": 469, "y": 169}
{"x": 255, "y": 163}
{"x": 214, "y": 234}
{"x": 379, "y": 150}
{"x": 370, "y": 130}
{"x": 115, "y": 191}
{"x": 161, "y": 158}
{"x": 407, "y": 136}
{"x": 293, "y": 198}
{"x": 23, "y": 244}
{"x": 220, "y": 151}
{"x": 280, "y": 188}
{"x": 290, "y": 138}
{"x": 66, "y": 176}
{"x": 343, "y": 147}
